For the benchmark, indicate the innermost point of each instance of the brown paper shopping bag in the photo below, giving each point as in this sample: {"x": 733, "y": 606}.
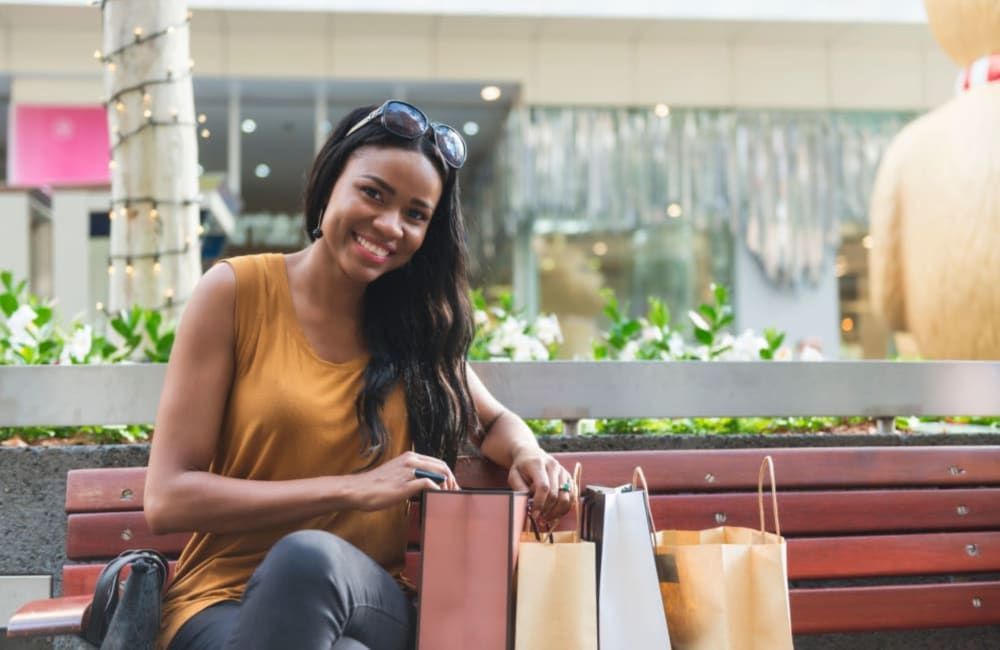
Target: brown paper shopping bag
{"x": 469, "y": 549}
{"x": 557, "y": 588}
{"x": 726, "y": 588}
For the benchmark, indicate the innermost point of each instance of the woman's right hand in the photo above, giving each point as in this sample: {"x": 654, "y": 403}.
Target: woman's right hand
{"x": 395, "y": 481}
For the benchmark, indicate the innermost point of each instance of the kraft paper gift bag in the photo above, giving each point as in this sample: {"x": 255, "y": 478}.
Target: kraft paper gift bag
{"x": 630, "y": 613}
{"x": 726, "y": 588}
{"x": 557, "y": 589}
{"x": 469, "y": 548}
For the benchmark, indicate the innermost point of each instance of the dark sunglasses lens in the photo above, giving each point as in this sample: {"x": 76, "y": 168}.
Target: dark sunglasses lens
{"x": 404, "y": 120}
{"x": 451, "y": 144}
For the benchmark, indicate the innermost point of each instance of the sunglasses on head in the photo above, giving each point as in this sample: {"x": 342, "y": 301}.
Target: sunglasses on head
{"x": 408, "y": 121}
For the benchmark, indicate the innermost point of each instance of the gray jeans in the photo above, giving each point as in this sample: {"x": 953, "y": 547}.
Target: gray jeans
{"x": 313, "y": 591}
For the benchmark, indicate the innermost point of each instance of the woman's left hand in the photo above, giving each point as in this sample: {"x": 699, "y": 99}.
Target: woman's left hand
{"x": 535, "y": 471}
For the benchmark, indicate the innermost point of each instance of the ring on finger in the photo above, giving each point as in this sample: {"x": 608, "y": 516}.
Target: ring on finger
{"x": 567, "y": 486}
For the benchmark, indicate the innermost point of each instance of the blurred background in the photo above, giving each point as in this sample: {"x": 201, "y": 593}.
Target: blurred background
{"x": 650, "y": 148}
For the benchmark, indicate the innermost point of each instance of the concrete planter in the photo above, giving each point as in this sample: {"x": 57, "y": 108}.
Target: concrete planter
{"x": 33, "y": 523}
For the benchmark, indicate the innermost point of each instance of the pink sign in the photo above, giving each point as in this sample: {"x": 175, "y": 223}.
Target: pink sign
{"x": 57, "y": 145}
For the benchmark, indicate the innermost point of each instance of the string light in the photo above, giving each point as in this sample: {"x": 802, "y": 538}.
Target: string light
{"x": 131, "y": 207}
{"x": 202, "y": 118}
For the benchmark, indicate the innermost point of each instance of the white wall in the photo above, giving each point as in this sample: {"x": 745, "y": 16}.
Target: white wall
{"x": 564, "y": 61}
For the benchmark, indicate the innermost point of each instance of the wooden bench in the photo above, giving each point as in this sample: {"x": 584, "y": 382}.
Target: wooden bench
{"x": 879, "y": 538}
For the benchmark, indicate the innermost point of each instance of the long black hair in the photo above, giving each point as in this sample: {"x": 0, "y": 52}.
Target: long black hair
{"x": 417, "y": 320}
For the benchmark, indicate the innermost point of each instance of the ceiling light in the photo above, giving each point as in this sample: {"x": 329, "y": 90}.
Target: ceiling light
{"x": 674, "y": 210}
{"x": 490, "y": 93}
{"x": 262, "y": 170}
{"x": 661, "y": 110}
{"x": 470, "y": 128}
{"x": 205, "y": 133}
{"x": 202, "y": 118}
{"x": 248, "y": 126}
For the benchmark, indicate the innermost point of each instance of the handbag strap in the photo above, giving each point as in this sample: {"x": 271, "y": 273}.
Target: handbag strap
{"x": 768, "y": 462}
{"x": 105, "y": 600}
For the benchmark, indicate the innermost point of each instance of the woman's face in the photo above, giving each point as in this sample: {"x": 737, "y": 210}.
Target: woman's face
{"x": 379, "y": 211}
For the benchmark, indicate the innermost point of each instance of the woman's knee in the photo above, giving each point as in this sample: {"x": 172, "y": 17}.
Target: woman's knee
{"x": 310, "y": 554}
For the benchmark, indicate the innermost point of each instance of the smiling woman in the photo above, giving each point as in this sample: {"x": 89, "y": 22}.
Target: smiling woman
{"x": 309, "y": 395}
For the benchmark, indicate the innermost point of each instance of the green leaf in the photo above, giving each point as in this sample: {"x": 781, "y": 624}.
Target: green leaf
{"x": 44, "y": 315}
{"x": 122, "y": 328}
{"x": 721, "y": 294}
{"x": 658, "y": 315}
{"x": 600, "y": 352}
{"x": 165, "y": 344}
{"x": 709, "y": 312}
{"x": 8, "y": 303}
{"x": 7, "y": 277}
{"x": 767, "y": 354}
{"x": 725, "y": 321}
{"x": 704, "y": 336}
{"x": 134, "y": 317}
{"x": 631, "y": 328}
{"x": 47, "y": 348}
{"x": 153, "y": 320}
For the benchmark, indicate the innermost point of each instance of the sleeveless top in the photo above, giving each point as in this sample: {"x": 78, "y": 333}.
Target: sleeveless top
{"x": 290, "y": 415}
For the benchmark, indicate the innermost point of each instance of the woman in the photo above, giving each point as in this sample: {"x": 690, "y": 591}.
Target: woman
{"x": 305, "y": 391}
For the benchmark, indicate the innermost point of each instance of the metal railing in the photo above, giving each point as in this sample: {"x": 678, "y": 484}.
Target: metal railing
{"x": 574, "y": 390}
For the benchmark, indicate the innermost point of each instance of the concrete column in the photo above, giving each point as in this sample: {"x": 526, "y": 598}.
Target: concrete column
{"x": 15, "y": 245}
{"x": 801, "y": 312}
{"x": 71, "y": 263}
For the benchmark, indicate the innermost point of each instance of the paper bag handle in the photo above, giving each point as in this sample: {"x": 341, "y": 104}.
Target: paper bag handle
{"x": 639, "y": 478}
{"x": 769, "y": 464}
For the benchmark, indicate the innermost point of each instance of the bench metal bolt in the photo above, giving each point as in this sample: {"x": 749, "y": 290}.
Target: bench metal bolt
{"x": 720, "y": 517}
{"x": 127, "y": 534}
{"x": 710, "y": 478}
{"x": 955, "y": 470}
{"x": 972, "y": 549}
{"x": 885, "y": 425}
{"x": 127, "y": 494}
{"x": 977, "y": 602}
{"x": 962, "y": 510}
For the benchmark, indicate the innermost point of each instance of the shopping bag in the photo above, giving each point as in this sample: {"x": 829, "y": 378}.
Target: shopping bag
{"x": 556, "y": 588}
{"x": 469, "y": 547}
{"x": 630, "y": 613}
{"x": 726, "y": 588}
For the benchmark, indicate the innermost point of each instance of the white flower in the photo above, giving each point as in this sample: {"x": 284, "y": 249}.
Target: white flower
{"x": 547, "y": 329}
{"x": 480, "y": 317}
{"x": 676, "y": 345}
{"x": 783, "y": 354}
{"x": 629, "y": 352}
{"x": 20, "y": 324}
{"x": 526, "y": 348}
{"x": 495, "y": 346}
{"x": 809, "y": 353}
{"x": 651, "y": 334}
{"x": 745, "y": 347}
{"x": 79, "y": 345}
{"x": 701, "y": 352}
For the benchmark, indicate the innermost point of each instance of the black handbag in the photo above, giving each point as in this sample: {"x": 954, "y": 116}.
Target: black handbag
{"x": 129, "y": 620}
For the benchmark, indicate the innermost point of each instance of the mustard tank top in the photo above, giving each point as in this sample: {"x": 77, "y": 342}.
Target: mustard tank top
{"x": 290, "y": 415}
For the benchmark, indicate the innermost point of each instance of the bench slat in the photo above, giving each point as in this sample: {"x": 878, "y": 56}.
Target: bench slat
{"x": 49, "y": 617}
{"x": 808, "y": 558}
{"x": 846, "y": 609}
{"x": 105, "y": 490}
{"x": 105, "y": 535}
{"x": 100, "y": 490}
{"x": 798, "y": 468}
{"x": 101, "y": 535}
{"x": 815, "y": 513}
{"x": 860, "y": 609}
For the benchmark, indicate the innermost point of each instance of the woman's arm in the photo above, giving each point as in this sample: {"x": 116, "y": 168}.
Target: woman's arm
{"x": 509, "y": 442}
{"x": 181, "y": 495}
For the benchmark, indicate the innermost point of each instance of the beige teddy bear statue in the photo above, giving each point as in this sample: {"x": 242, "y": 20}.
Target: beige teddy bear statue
{"x": 935, "y": 209}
